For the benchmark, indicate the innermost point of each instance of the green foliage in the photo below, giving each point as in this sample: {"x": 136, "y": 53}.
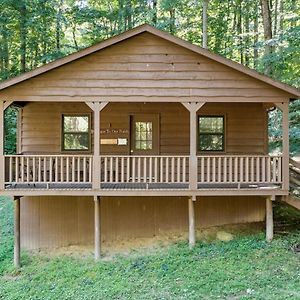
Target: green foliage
{"x": 10, "y": 131}
{"x": 41, "y": 31}
{"x": 244, "y": 268}
{"x": 6, "y": 234}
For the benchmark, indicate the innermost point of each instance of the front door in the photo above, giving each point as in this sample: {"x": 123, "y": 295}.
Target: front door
{"x": 144, "y": 134}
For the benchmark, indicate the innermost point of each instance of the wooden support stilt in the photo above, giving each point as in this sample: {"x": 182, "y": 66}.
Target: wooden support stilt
{"x": 17, "y": 245}
{"x": 192, "y": 232}
{"x": 269, "y": 219}
{"x": 97, "y": 228}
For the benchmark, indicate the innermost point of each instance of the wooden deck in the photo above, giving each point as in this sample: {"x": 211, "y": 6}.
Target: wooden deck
{"x": 51, "y": 173}
{"x": 134, "y": 186}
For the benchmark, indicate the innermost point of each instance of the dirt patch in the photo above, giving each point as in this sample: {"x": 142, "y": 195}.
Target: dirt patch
{"x": 128, "y": 246}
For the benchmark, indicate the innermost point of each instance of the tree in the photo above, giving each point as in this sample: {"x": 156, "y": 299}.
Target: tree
{"x": 266, "y": 17}
{"x": 204, "y": 23}
{"x": 35, "y": 32}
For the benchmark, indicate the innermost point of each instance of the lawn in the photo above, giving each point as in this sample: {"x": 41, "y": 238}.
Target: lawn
{"x": 245, "y": 268}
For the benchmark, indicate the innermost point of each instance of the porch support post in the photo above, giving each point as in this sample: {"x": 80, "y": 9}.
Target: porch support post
{"x": 192, "y": 230}
{"x": 97, "y": 228}
{"x": 96, "y": 158}
{"x": 17, "y": 245}
{"x": 284, "y": 107}
{"x": 96, "y": 107}
{"x": 285, "y": 146}
{"x": 269, "y": 219}
{"x": 2, "y": 163}
{"x": 193, "y": 107}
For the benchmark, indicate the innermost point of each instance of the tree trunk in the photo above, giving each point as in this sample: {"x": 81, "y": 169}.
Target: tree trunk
{"x": 74, "y": 36}
{"x": 281, "y": 8}
{"x": 247, "y": 30}
{"x": 5, "y": 51}
{"x": 121, "y": 22}
{"x": 172, "y": 19}
{"x": 266, "y": 16}
{"x": 255, "y": 41}
{"x": 275, "y": 18}
{"x": 128, "y": 14}
{"x": 154, "y": 14}
{"x": 240, "y": 31}
{"x": 23, "y": 33}
{"x": 58, "y": 26}
{"x": 204, "y": 24}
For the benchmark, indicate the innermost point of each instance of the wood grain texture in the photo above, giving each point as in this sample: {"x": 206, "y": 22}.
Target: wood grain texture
{"x": 60, "y": 221}
{"x": 144, "y": 66}
{"x": 245, "y": 126}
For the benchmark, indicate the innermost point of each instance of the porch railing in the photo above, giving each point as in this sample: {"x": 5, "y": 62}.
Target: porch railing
{"x": 145, "y": 169}
{"x": 56, "y": 169}
{"x": 218, "y": 171}
{"x": 239, "y": 169}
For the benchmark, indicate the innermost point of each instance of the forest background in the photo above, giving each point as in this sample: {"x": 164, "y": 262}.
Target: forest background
{"x": 263, "y": 35}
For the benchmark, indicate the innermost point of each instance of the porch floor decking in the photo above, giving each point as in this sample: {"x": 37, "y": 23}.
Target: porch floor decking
{"x": 136, "y": 186}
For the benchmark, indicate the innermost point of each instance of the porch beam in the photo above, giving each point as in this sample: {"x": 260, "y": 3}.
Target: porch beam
{"x": 193, "y": 107}
{"x": 96, "y": 107}
{"x": 97, "y": 227}
{"x": 2, "y": 163}
{"x": 7, "y": 104}
{"x": 269, "y": 218}
{"x": 192, "y": 227}
{"x": 17, "y": 235}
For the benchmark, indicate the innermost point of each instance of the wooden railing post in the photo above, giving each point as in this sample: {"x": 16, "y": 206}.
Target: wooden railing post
{"x": 2, "y": 162}
{"x": 96, "y": 107}
{"x": 193, "y": 107}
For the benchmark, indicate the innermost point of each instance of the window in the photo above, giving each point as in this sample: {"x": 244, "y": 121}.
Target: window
{"x": 143, "y": 135}
{"x": 211, "y": 133}
{"x": 76, "y": 132}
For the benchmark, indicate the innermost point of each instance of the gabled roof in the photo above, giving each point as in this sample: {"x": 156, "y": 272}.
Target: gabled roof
{"x": 164, "y": 35}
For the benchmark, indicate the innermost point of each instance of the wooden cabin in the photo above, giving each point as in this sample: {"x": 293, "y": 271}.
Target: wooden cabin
{"x": 141, "y": 134}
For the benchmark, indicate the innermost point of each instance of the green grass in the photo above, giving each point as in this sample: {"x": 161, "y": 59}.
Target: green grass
{"x": 244, "y": 268}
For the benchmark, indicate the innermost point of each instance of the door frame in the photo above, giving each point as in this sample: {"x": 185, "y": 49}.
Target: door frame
{"x": 157, "y": 139}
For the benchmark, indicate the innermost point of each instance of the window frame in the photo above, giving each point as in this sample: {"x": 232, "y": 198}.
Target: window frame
{"x": 223, "y": 150}
{"x": 89, "y": 133}
{"x": 146, "y": 140}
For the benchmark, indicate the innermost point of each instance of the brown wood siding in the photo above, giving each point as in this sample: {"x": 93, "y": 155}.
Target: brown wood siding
{"x": 144, "y": 66}
{"x": 61, "y": 221}
{"x": 245, "y": 126}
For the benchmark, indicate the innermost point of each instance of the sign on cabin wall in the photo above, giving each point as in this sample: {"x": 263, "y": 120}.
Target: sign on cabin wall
{"x": 114, "y": 141}
{"x": 113, "y": 131}
{"x": 119, "y": 141}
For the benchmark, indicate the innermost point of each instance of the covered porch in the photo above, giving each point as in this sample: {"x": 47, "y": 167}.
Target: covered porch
{"x": 118, "y": 157}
